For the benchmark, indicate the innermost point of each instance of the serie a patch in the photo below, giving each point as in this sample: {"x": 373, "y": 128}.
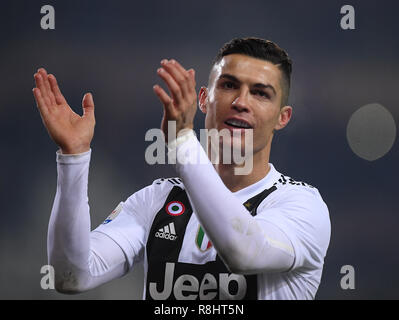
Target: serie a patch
{"x": 114, "y": 213}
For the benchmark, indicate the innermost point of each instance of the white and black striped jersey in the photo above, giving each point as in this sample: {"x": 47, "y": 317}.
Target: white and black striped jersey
{"x": 157, "y": 225}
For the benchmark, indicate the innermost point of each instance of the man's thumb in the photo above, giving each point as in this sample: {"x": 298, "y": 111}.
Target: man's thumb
{"x": 88, "y": 105}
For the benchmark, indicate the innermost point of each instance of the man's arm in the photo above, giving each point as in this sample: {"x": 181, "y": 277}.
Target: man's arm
{"x": 81, "y": 260}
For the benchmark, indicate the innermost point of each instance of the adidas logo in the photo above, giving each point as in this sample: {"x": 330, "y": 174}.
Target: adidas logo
{"x": 167, "y": 232}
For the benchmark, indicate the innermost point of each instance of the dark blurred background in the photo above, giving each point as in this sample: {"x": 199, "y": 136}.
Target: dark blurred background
{"x": 113, "y": 48}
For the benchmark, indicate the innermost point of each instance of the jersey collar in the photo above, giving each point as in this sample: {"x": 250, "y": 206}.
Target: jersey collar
{"x": 265, "y": 183}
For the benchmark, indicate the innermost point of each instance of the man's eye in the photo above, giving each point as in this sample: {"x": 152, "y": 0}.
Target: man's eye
{"x": 228, "y": 85}
{"x": 261, "y": 93}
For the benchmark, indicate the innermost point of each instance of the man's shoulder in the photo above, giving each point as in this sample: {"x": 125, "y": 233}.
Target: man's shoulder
{"x": 148, "y": 200}
{"x": 158, "y": 189}
{"x": 168, "y": 183}
{"x": 298, "y": 203}
{"x": 288, "y": 184}
{"x": 288, "y": 188}
{"x": 298, "y": 208}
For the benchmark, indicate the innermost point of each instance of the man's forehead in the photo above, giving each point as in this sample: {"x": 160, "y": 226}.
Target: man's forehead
{"x": 247, "y": 68}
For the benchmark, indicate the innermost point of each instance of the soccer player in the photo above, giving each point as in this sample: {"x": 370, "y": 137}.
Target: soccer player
{"x": 209, "y": 233}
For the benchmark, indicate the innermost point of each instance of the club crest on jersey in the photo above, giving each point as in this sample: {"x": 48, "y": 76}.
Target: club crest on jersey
{"x": 175, "y": 208}
{"x": 202, "y": 241}
{"x": 114, "y": 213}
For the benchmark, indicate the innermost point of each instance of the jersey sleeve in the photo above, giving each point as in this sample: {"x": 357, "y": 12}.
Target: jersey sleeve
{"x": 84, "y": 259}
{"x": 302, "y": 215}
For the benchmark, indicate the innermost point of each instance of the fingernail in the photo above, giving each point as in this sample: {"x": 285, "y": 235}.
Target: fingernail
{"x": 164, "y": 61}
{"x": 160, "y": 70}
{"x": 173, "y": 61}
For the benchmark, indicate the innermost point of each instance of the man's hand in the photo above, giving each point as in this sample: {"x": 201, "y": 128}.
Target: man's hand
{"x": 182, "y": 104}
{"x": 71, "y": 132}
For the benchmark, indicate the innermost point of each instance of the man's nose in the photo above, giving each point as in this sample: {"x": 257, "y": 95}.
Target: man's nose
{"x": 240, "y": 103}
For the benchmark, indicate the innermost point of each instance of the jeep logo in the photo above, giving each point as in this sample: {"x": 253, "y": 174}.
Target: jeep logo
{"x": 188, "y": 287}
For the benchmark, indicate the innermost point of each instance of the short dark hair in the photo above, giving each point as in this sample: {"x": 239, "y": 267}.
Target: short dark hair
{"x": 261, "y": 49}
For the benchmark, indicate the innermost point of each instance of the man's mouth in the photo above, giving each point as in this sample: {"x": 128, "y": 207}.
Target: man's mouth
{"x": 239, "y": 124}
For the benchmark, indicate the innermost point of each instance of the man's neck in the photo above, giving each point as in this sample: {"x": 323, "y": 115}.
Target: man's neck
{"x": 236, "y": 182}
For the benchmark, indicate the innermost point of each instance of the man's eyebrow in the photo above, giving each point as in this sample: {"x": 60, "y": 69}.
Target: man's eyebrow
{"x": 229, "y": 77}
{"x": 257, "y": 85}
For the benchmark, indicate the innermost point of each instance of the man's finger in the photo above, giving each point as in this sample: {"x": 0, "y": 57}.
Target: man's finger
{"x": 40, "y": 102}
{"x": 173, "y": 87}
{"x": 179, "y": 66}
{"x": 164, "y": 98}
{"x": 41, "y": 86}
{"x": 59, "y": 98}
{"x": 189, "y": 82}
{"x": 190, "y": 74}
{"x": 46, "y": 83}
{"x": 88, "y": 106}
{"x": 192, "y": 79}
{"x": 179, "y": 74}
{"x": 41, "y": 74}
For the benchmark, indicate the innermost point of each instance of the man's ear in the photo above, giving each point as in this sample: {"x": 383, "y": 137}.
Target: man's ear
{"x": 203, "y": 99}
{"x": 284, "y": 117}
